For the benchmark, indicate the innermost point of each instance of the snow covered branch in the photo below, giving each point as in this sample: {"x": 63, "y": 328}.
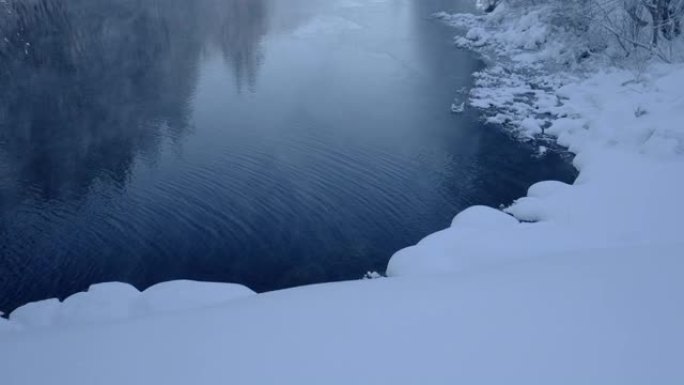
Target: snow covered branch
{"x": 640, "y": 29}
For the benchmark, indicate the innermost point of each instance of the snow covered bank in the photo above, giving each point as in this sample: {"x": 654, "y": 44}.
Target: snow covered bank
{"x": 603, "y": 317}
{"x": 111, "y": 302}
{"x": 572, "y": 284}
{"x": 625, "y": 127}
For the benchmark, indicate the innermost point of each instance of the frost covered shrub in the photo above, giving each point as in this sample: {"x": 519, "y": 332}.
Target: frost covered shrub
{"x": 643, "y": 27}
{"x": 552, "y": 29}
{"x": 626, "y": 30}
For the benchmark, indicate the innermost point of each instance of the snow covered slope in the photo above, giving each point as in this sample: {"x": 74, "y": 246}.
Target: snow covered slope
{"x": 604, "y": 317}
{"x": 573, "y": 284}
{"x": 625, "y": 128}
{"x": 115, "y": 301}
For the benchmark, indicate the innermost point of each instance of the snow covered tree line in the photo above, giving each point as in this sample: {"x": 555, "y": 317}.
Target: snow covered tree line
{"x": 637, "y": 28}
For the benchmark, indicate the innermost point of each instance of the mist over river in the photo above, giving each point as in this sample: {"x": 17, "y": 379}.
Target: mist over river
{"x": 271, "y": 143}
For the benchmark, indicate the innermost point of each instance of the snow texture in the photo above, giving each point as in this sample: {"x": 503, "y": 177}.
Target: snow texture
{"x": 608, "y": 316}
{"x": 115, "y": 301}
{"x": 572, "y": 284}
{"x": 624, "y": 129}
{"x": 187, "y": 295}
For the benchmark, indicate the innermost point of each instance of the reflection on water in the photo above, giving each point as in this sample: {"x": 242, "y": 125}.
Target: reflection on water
{"x": 267, "y": 142}
{"x": 87, "y": 87}
{"x": 88, "y": 84}
{"x": 238, "y": 27}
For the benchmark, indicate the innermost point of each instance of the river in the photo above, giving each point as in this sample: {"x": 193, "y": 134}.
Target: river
{"x": 272, "y": 143}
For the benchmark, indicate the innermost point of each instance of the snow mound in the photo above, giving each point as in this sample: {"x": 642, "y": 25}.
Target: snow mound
{"x": 36, "y": 314}
{"x": 102, "y": 302}
{"x": 601, "y": 317}
{"x": 115, "y": 301}
{"x": 187, "y": 295}
{"x": 605, "y": 208}
{"x": 547, "y": 188}
{"x": 629, "y": 151}
{"x": 484, "y": 217}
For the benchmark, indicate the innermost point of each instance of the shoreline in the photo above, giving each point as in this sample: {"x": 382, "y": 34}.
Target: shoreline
{"x": 573, "y": 283}
{"x": 579, "y": 110}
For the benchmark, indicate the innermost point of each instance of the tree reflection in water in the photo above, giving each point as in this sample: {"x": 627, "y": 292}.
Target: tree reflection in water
{"x": 87, "y": 85}
{"x": 86, "y": 88}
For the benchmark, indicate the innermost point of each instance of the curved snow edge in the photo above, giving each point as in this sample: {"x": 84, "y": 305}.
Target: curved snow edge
{"x": 629, "y": 153}
{"x": 116, "y": 301}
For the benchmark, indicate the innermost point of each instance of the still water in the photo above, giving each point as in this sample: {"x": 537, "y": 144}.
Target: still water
{"x": 272, "y": 143}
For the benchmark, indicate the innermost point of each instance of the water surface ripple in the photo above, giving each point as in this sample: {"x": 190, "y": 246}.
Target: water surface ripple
{"x": 266, "y": 142}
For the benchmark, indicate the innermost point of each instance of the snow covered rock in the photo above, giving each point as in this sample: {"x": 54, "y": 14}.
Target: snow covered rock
{"x": 116, "y": 301}
{"x": 102, "y": 302}
{"x": 483, "y": 216}
{"x": 547, "y": 188}
{"x": 188, "y": 295}
{"x": 36, "y": 314}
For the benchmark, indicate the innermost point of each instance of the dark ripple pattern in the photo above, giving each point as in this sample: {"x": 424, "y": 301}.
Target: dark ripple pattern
{"x": 144, "y": 141}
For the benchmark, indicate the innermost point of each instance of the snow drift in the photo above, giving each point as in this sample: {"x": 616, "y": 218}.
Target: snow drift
{"x": 624, "y": 128}
{"x": 610, "y": 316}
{"x": 115, "y": 301}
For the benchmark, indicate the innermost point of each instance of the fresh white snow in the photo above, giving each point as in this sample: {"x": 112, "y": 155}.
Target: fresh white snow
{"x": 572, "y": 284}
{"x": 624, "y": 127}
{"x": 609, "y": 316}
{"x": 115, "y": 301}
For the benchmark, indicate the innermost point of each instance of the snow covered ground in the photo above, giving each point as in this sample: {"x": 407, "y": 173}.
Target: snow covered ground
{"x": 624, "y": 126}
{"x": 628, "y": 192}
{"x": 603, "y": 317}
{"x": 115, "y": 301}
{"x": 573, "y": 284}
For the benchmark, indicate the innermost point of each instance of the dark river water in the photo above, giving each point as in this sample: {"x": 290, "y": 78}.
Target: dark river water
{"x": 272, "y": 143}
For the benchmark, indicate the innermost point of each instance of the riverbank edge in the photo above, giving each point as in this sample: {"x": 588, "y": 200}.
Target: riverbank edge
{"x": 588, "y": 314}
{"x": 618, "y": 123}
{"x": 604, "y": 208}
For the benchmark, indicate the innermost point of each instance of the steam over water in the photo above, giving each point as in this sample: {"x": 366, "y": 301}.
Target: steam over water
{"x": 272, "y": 143}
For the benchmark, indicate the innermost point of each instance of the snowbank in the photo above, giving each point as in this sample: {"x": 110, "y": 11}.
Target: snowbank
{"x": 572, "y": 284}
{"x": 603, "y": 317}
{"x": 115, "y": 301}
{"x": 621, "y": 198}
{"x": 625, "y": 129}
